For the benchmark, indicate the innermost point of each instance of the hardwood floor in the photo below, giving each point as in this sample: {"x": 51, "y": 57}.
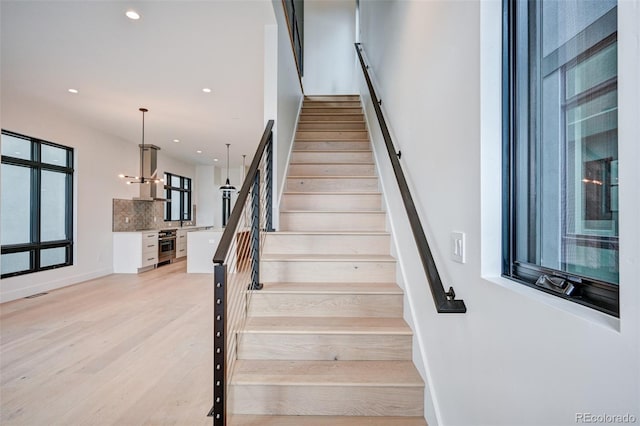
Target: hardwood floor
{"x": 118, "y": 350}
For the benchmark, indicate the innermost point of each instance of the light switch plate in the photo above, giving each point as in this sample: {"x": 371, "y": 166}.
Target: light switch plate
{"x": 458, "y": 247}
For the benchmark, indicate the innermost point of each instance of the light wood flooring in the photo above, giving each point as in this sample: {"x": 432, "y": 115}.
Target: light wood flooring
{"x": 118, "y": 350}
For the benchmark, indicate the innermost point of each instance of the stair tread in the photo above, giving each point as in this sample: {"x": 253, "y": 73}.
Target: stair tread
{"x": 332, "y": 288}
{"x": 326, "y": 373}
{"x": 330, "y": 177}
{"x": 375, "y": 233}
{"x": 258, "y": 420}
{"x": 331, "y": 151}
{"x": 332, "y": 164}
{"x": 326, "y": 325}
{"x": 330, "y": 139}
{"x": 332, "y": 121}
{"x": 335, "y": 211}
{"x": 332, "y": 193}
{"x": 327, "y": 257}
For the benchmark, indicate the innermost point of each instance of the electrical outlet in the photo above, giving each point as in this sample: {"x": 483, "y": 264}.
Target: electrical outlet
{"x": 458, "y": 247}
{"x": 126, "y": 220}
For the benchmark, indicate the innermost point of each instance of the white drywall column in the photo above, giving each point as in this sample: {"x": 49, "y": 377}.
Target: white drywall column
{"x": 329, "y": 58}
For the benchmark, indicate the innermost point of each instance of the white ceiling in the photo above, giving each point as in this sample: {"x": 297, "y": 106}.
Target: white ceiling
{"x": 161, "y": 61}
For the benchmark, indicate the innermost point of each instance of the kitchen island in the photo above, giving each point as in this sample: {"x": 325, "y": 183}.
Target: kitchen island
{"x": 201, "y": 246}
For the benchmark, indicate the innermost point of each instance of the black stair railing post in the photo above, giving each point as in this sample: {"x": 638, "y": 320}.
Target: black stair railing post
{"x": 255, "y": 233}
{"x": 218, "y": 412}
{"x": 268, "y": 182}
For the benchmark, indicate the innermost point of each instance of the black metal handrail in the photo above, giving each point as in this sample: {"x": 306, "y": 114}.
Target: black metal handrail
{"x": 237, "y": 265}
{"x": 445, "y": 301}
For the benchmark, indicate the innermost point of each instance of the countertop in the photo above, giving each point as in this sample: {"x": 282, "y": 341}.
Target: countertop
{"x": 186, "y": 228}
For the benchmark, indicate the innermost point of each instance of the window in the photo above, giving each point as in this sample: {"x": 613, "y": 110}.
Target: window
{"x": 37, "y": 205}
{"x": 178, "y": 195}
{"x": 560, "y": 107}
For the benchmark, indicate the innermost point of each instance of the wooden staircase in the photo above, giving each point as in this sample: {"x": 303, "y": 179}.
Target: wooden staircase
{"x": 325, "y": 342}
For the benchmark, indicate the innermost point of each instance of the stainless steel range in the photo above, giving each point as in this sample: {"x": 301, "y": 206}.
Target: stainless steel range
{"x": 166, "y": 245}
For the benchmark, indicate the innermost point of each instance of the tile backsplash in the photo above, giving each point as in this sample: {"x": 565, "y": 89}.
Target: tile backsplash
{"x": 138, "y": 215}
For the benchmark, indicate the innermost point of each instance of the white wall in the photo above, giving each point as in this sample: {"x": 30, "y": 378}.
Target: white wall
{"x": 99, "y": 158}
{"x": 285, "y": 87}
{"x": 518, "y": 356}
{"x": 205, "y": 193}
{"x": 329, "y": 55}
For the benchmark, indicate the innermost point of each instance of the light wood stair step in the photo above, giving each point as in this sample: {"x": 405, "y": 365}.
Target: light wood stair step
{"x": 329, "y": 135}
{"x": 332, "y": 146}
{"x": 333, "y": 103}
{"x": 283, "y": 242}
{"x": 327, "y": 268}
{"x": 331, "y": 110}
{"x": 316, "y": 117}
{"x": 321, "y": 338}
{"x": 328, "y": 169}
{"x": 297, "y": 220}
{"x": 332, "y": 125}
{"x": 353, "y": 201}
{"x": 258, "y": 420}
{"x": 332, "y": 157}
{"x": 332, "y": 184}
{"x": 354, "y": 388}
{"x": 332, "y": 98}
{"x": 313, "y": 299}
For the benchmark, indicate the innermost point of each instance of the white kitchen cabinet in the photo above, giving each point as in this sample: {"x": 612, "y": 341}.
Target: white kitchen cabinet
{"x": 181, "y": 243}
{"x": 134, "y": 251}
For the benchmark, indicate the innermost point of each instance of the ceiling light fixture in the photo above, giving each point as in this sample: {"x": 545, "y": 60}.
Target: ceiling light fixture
{"x": 215, "y": 159}
{"x": 199, "y": 151}
{"x": 74, "y": 91}
{"x": 176, "y": 140}
{"x": 206, "y": 90}
{"x": 141, "y": 179}
{"x": 133, "y": 15}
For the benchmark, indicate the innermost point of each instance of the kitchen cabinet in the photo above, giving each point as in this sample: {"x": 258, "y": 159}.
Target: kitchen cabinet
{"x": 134, "y": 252}
{"x": 181, "y": 243}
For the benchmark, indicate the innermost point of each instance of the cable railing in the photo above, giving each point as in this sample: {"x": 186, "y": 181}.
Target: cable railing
{"x": 445, "y": 301}
{"x": 237, "y": 267}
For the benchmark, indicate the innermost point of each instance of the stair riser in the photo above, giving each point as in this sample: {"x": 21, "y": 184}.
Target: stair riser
{"x": 326, "y": 244}
{"x": 324, "y": 104}
{"x": 333, "y": 111}
{"x": 327, "y": 305}
{"x": 331, "y": 126}
{"x": 329, "y": 271}
{"x": 332, "y": 146}
{"x": 332, "y": 185}
{"x": 327, "y": 400}
{"x": 332, "y": 221}
{"x": 325, "y": 202}
{"x": 332, "y": 98}
{"x": 331, "y": 157}
{"x": 331, "y": 117}
{"x": 344, "y": 347}
{"x": 331, "y": 135}
{"x": 332, "y": 170}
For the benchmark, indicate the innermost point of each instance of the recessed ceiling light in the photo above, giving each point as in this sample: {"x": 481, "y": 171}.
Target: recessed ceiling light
{"x": 74, "y": 91}
{"x": 206, "y": 90}
{"x": 199, "y": 152}
{"x": 132, "y": 14}
{"x": 176, "y": 140}
{"x": 215, "y": 159}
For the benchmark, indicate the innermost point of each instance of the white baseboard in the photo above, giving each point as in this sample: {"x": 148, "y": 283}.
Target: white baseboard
{"x": 19, "y": 293}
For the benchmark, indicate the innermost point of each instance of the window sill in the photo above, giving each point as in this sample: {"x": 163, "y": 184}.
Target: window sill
{"x": 575, "y": 309}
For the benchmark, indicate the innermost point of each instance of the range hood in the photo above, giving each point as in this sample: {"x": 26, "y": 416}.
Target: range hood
{"x": 149, "y": 165}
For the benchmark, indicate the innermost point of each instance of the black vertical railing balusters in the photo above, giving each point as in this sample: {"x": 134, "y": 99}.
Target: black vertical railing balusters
{"x": 239, "y": 244}
{"x": 268, "y": 182}
{"x": 255, "y": 233}
{"x": 219, "y": 345}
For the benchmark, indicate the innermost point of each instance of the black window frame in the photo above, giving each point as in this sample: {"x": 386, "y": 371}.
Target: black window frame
{"x": 599, "y": 295}
{"x": 185, "y": 188}
{"x": 36, "y": 167}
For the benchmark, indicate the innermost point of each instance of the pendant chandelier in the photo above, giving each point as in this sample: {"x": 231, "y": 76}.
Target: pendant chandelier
{"x": 142, "y": 179}
{"x": 227, "y": 186}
